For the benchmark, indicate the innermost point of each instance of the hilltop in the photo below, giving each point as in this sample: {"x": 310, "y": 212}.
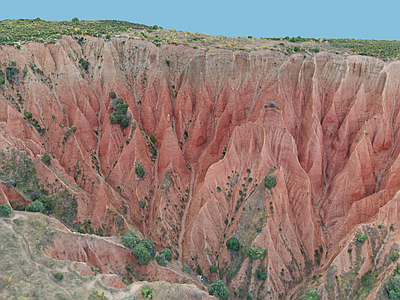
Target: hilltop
{"x": 15, "y": 32}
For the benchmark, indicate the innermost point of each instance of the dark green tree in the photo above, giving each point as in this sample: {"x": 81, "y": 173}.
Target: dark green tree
{"x": 186, "y": 269}
{"x": 394, "y": 255}
{"x": 27, "y": 114}
{"x": 167, "y": 253}
{"x": 73, "y": 128}
{"x": 312, "y": 295}
{"x": 261, "y": 275}
{"x": 361, "y": 238}
{"x": 46, "y": 158}
{"x": 142, "y": 203}
{"x": 219, "y": 289}
{"x": 142, "y": 255}
{"x": 149, "y": 245}
{"x": 213, "y": 269}
{"x": 35, "y": 206}
{"x": 5, "y": 211}
{"x": 2, "y": 80}
{"x": 233, "y": 244}
{"x": 270, "y": 181}
{"x": 129, "y": 239}
{"x": 161, "y": 260}
{"x": 112, "y": 94}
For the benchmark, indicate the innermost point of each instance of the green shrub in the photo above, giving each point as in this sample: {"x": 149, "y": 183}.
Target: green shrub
{"x": 142, "y": 255}
{"x": 2, "y": 80}
{"x": 394, "y": 256}
{"x": 270, "y": 181}
{"x": 316, "y": 50}
{"x": 167, "y": 253}
{"x": 75, "y": 19}
{"x": 139, "y": 171}
{"x": 35, "y": 206}
{"x": 129, "y": 239}
{"x": 84, "y": 64}
{"x": 261, "y": 275}
{"x": 149, "y": 245}
{"x": 27, "y": 114}
{"x": 255, "y": 252}
{"x": 219, "y": 289}
{"x": 58, "y": 276}
{"x": 160, "y": 259}
{"x": 112, "y": 95}
{"x": 46, "y": 158}
{"x": 362, "y": 238}
{"x": 73, "y": 128}
{"x": 312, "y": 295}
{"x": 213, "y": 269}
{"x": 393, "y": 287}
{"x": 80, "y": 230}
{"x": 142, "y": 203}
{"x": 147, "y": 293}
{"x": 67, "y": 132}
{"x": 259, "y": 228}
{"x": 5, "y": 211}
{"x": 296, "y": 48}
{"x": 119, "y": 114}
{"x": 53, "y": 117}
{"x": 233, "y": 244}
{"x": 108, "y": 37}
{"x": 153, "y": 139}
{"x": 186, "y": 269}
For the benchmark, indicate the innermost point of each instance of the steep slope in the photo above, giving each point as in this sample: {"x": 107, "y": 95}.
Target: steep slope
{"x": 326, "y": 126}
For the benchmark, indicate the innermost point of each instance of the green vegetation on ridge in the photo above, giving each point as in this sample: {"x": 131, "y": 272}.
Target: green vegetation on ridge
{"x": 13, "y": 32}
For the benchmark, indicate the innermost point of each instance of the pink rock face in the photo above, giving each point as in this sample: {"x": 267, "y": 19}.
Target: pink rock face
{"x": 325, "y": 126}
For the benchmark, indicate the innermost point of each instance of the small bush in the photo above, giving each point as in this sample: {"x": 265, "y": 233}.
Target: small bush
{"x": 213, "y": 269}
{"x": 261, "y": 275}
{"x": 296, "y": 48}
{"x": 259, "y": 228}
{"x": 112, "y": 95}
{"x": 139, "y": 171}
{"x": 270, "y": 181}
{"x": 233, "y": 244}
{"x": 2, "y": 80}
{"x": 142, "y": 255}
{"x": 5, "y": 211}
{"x": 84, "y": 64}
{"x": 74, "y": 129}
{"x": 394, "y": 256}
{"x": 160, "y": 259}
{"x": 67, "y": 132}
{"x": 53, "y": 117}
{"x": 27, "y": 114}
{"x": 81, "y": 231}
{"x": 46, "y": 158}
{"x": 316, "y": 50}
{"x": 75, "y": 19}
{"x": 167, "y": 253}
{"x": 186, "y": 269}
{"x": 147, "y": 293}
{"x": 153, "y": 139}
{"x": 35, "y": 206}
{"x": 108, "y": 37}
{"x": 129, "y": 239}
{"x": 142, "y": 203}
{"x": 58, "y": 276}
{"x": 219, "y": 289}
{"x": 124, "y": 122}
{"x": 362, "y": 238}
{"x": 312, "y": 295}
{"x": 255, "y": 252}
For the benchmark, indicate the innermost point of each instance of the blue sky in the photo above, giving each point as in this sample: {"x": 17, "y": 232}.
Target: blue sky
{"x": 310, "y": 18}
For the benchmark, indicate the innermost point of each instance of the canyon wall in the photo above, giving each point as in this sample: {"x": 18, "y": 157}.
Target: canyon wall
{"x": 326, "y": 126}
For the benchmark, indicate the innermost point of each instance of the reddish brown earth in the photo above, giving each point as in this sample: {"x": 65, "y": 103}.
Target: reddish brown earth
{"x": 332, "y": 143}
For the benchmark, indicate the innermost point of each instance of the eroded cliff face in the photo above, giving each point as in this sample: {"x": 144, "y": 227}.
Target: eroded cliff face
{"x": 331, "y": 139}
